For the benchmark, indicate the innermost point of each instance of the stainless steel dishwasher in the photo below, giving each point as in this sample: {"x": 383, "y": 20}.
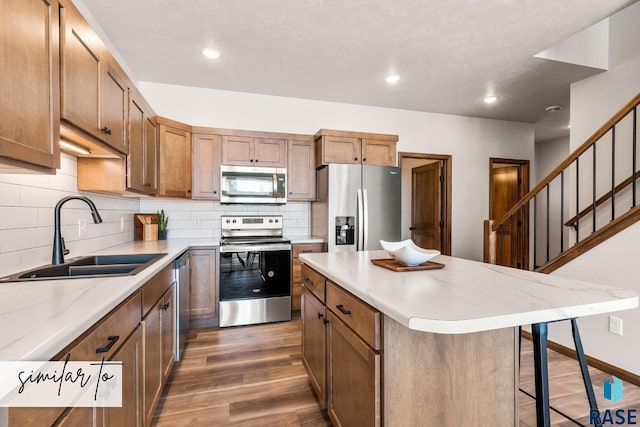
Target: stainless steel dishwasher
{"x": 181, "y": 275}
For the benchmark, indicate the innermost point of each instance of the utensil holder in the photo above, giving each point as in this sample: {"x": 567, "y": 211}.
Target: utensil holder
{"x": 150, "y": 232}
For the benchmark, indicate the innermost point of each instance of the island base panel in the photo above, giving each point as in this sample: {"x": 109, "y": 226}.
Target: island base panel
{"x": 450, "y": 380}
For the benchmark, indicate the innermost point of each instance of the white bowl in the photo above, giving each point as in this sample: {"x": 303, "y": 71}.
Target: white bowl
{"x": 406, "y": 252}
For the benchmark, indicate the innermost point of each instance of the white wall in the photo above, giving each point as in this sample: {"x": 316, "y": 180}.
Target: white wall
{"x": 471, "y": 141}
{"x": 26, "y": 218}
{"x": 594, "y": 101}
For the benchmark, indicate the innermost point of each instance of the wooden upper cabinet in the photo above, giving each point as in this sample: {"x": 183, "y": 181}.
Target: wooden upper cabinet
{"x": 29, "y": 93}
{"x": 301, "y": 172}
{"x": 142, "y": 158}
{"x": 174, "y": 166}
{"x": 94, "y": 91}
{"x": 270, "y": 152}
{"x": 335, "y": 146}
{"x": 114, "y": 109}
{"x": 250, "y": 151}
{"x": 337, "y": 149}
{"x": 206, "y": 167}
{"x": 378, "y": 152}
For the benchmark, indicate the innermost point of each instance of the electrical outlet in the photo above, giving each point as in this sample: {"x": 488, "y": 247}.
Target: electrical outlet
{"x": 615, "y": 325}
{"x": 121, "y": 223}
{"x": 82, "y": 228}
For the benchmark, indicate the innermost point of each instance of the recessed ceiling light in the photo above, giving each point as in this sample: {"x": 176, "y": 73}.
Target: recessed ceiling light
{"x": 392, "y": 78}
{"x": 212, "y": 53}
{"x": 568, "y": 126}
{"x": 490, "y": 99}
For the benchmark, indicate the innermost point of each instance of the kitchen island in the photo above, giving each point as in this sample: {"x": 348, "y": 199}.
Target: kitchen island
{"x": 450, "y": 337}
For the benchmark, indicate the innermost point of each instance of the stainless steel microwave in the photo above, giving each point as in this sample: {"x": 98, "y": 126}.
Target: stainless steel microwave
{"x": 248, "y": 184}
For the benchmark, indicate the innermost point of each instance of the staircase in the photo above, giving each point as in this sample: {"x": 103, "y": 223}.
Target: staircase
{"x": 592, "y": 195}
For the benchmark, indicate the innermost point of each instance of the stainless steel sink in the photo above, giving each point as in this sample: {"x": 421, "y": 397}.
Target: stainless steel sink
{"x": 89, "y": 266}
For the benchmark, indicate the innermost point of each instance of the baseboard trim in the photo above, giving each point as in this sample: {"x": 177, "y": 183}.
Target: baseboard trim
{"x": 591, "y": 361}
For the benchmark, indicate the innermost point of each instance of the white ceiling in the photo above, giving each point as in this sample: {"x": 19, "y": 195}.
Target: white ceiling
{"x": 450, "y": 53}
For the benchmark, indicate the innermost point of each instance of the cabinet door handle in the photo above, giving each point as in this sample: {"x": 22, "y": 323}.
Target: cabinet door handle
{"x": 325, "y": 322}
{"x": 364, "y": 159}
{"x": 355, "y": 158}
{"x": 290, "y": 193}
{"x": 251, "y": 160}
{"x": 112, "y": 341}
{"x": 343, "y": 310}
{"x": 215, "y": 191}
{"x": 320, "y": 315}
{"x": 106, "y": 130}
{"x": 308, "y": 281}
{"x": 165, "y": 306}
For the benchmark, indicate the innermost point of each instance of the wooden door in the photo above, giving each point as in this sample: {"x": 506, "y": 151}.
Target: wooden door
{"x": 168, "y": 331}
{"x": 206, "y": 167}
{"x": 314, "y": 343}
{"x": 81, "y": 72}
{"x": 341, "y": 149}
{"x": 29, "y": 93}
{"x": 353, "y": 376}
{"x": 379, "y": 152}
{"x": 426, "y": 206}
{"x": 237, "y": 150}
{"x": 271, "y": 152}
{"x": 301, "y": 171}
{"x": 150, "y": 155}
{"x": 152, "y": 332}
{"x": 203, "y": 279}
{"x": 135, "y": 160}
{"x": 175, "y": 162}
{"x": 508, "y": 184}
{"x": 130, "y": 414}
{"x": 114, "y": 99}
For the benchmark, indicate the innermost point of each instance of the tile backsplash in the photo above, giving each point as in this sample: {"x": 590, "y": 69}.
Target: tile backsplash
{"x": 192, "y": 218}
{"x": 27, "y": 204}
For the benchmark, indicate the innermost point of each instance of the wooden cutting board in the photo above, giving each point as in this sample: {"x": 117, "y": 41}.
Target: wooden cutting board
{"x": 394, "y": 265}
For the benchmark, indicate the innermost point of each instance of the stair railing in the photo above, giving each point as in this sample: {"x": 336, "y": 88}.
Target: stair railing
{"x": 597, "y": 183}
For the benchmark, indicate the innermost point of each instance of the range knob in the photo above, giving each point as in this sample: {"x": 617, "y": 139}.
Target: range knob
{"x": 234, "y": 221}
{"x": 270, "y": 221}
{"x": 276, "y": 221}
{"x": 228, "y": 221}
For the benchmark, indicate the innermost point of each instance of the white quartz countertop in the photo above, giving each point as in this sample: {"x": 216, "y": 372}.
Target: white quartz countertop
{"x": 38, "y": 319}
{"x": 466, "y": 296}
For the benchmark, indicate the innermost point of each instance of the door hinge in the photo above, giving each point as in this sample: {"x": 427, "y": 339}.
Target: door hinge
{"x": 441, "y": 224}
{"x": 441, "y": 178}
{"x": 519, "y": 180}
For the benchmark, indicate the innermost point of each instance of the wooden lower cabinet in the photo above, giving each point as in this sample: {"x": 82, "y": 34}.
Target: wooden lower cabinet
{"x": 314, "y": 343}
{"x": 203, "y": 287}
{"x": 130, "y": 414}
{"x": 77, "y": 417}
{"x": 157, "y": 326}
{"x": 354, "y": 377}
{"x": 296, "y": 269}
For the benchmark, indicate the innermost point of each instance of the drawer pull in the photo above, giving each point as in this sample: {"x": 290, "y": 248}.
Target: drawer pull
{"x": 308, "y": 281}
{"x": 343, "y": 310}
{"x": 165, "y": 306}
{"x": 112, "y": 341}
{"x": 320, "y": 315}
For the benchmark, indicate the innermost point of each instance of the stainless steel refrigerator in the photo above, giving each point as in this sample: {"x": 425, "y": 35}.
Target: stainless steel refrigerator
{"x": 356, "y": 206}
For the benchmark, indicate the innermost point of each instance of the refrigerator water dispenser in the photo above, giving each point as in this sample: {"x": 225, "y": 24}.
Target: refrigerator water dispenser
{"x": 345, "y": 227}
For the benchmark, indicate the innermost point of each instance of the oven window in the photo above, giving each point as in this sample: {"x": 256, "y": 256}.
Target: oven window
{"x": 249, "y": 275}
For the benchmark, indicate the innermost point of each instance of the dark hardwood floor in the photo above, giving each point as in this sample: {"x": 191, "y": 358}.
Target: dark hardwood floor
{"x": 253, "y": 376}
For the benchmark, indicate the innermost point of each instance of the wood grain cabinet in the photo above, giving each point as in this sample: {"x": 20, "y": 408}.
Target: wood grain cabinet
{"x": 314, "y": 343}
{"x": 158, "y": 332}
{"x": 174, "y": 165}
{"x": 296, "y": 270}
{"x": 206, "y": 166}
{"x": 301, "y": 170}
{"x": 203, "y": 287}
{"x": 29, "y": 93}
{"x": 94, "y": 89}
{"x": 335, "y": 146}
{"x": 254, "y": 151}
{"x": 342, "y": 351}
{"x": 142, "y": 173}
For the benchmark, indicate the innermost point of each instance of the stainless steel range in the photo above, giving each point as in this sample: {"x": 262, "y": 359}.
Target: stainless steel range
{"x": 255, "y": 271}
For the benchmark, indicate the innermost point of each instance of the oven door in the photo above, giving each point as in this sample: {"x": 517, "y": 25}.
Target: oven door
{"x": 255, "y": 286}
